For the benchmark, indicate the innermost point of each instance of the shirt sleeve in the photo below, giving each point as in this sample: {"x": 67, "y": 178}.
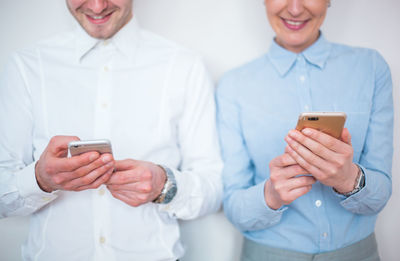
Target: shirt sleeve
{"x": 376, "y": 157}
{"x": 198, "y": 178}
{"x": 244, "y": 202}
{"x": 19, "y": 191}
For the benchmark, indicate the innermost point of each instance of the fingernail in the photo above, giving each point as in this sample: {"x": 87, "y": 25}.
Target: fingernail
{"x": 306, "y": 131}
{"x": 288, "y": 139}
{"x": 93, "y": 156}
{"x": 106, "y": 158}
{"x": 293, "y": 133}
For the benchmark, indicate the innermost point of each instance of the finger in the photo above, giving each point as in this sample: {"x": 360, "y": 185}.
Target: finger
{"x": 84, "y": 170}
{"x": 292, "y": 171}
{"x": 60, "y": 143}
{"x": 312, "y": 169}
{"x": 73, "y": 163}
{"x": 139, "y": 187}
{"x": 98, "y": 182}
{"x": 298, "y": 182}
{"x": 307, "y": 154}
{"x": 346, "y": 137}
{"x": 59, "y": 165}
{"x": 325, "y": 139}
{"x": 295, "y": 139}
{"x": 125, "y": 164}
{"x": 91, "y": 176}
{"x": 124, "y": 177}
{"x": 298, "y": 192}
{"x": 125, "y": 198}
{"x": 283, "y": 160}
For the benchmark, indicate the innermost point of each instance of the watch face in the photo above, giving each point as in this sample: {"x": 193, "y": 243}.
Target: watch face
{"x": 170, "y": 194}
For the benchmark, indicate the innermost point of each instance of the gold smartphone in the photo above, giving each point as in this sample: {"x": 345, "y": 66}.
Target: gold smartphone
{"x": 331, "y": 123}
{"x": 82, "y": 146}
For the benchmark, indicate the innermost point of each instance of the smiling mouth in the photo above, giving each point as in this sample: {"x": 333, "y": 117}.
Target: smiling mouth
{"x": 294, "y": 25}
{"x": 99, "y": 19}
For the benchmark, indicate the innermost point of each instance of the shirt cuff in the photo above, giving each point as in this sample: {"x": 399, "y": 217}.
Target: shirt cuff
{"x": 254, "y": 213}
{"x": 178, "y": 202}
{"x": 261, "y": 208}
{"x": 29, "y": 188}
{"x": 353, "y": 200}
{"x": 197, "y": 194}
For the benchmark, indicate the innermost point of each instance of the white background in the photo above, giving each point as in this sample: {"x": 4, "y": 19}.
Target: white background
{"x": 227, "y": 33}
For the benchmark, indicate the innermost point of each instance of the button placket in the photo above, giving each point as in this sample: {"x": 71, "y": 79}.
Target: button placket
{"x": 303, "y": 85}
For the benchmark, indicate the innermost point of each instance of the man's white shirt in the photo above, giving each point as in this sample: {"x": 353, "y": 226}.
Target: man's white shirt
{"x": 153, "y": 99}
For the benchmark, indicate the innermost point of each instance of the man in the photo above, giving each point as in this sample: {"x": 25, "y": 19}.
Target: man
{"x": 112, "y": 80}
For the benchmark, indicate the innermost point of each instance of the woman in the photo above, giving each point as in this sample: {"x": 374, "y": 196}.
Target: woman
{"x": 303, "y": 195}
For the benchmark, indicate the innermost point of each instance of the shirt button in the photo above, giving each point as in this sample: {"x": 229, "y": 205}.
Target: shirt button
{"x": 104, "y": 105}
{"x": 324, "y": 235}
{"x": 105, "y": 68}
{"x": 306, "y": 107}
{"x": 102, "y": 191}
{"x": 106, "y": 42}
{"x": 46, "y": 198}
{"x": 318, "y": 203}
{"x": 102, "y": 240}
{"x": 302, "y": 78}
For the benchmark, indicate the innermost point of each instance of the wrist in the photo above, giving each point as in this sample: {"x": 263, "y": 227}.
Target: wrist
{"x": 162, "y": 179}
{"x": 269, "y": 198}
{"x": 348, "y": 184}
{"x": 39, "y": 181}
{"x": 357, "y": 184}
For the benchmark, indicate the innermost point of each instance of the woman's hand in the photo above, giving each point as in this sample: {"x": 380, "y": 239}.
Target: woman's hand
{"x": 327, "y": 159}
{"x": 285, "y": 185}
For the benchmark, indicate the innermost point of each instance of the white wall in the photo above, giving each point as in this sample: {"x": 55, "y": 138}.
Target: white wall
{"x": 227, "y": 33}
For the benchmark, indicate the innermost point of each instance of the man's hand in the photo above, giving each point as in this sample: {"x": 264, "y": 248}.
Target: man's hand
{"x": 54, "y": 171}
{"x": 329, "y": 160}
{"x": 136, "y": 182}
{"x": 284, "y": 186}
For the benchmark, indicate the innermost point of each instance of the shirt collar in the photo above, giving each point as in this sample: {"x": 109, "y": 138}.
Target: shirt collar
{"x": 125, "y": 40}
{"x": 84, "y": 43}
{"x": 316, "y": 54}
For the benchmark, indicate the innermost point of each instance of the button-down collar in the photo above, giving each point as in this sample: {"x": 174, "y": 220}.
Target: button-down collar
{"x": 283, "y": 59}
{"x": 125, "y": 41}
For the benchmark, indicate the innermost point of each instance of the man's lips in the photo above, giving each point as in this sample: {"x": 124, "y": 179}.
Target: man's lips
{"x": 294, "y": 25}
{"x": 99, "y": 19}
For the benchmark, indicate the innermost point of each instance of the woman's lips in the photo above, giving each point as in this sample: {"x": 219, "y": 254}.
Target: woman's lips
{"x": 294, "y": 25}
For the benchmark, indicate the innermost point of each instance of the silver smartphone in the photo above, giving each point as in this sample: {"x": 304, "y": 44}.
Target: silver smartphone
{"x": 331, "y": 123}
{"x": 82, "y": 146}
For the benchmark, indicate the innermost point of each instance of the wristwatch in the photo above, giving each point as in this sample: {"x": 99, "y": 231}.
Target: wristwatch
{"x": 169, "y": 190}
{"x": 360, "y": 183}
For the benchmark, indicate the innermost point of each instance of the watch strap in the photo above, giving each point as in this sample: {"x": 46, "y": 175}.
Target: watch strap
{"x": 169, "y": 190}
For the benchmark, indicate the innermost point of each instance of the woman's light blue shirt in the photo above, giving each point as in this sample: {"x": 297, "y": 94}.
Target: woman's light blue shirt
{"x": 259, "y": 103}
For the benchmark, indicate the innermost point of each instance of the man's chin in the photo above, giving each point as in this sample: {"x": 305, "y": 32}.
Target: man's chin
{"x": 99, "y": 34}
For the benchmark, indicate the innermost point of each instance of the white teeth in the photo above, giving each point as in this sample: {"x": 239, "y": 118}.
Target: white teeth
{"x": 293, "y": 22}
{"x": 97, "y": 17}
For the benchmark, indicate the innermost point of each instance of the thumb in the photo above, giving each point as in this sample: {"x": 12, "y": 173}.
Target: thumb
{"x": 58, "y": 145}
{"x": 126, "y": 164}
{"x": 346, "y": 137}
